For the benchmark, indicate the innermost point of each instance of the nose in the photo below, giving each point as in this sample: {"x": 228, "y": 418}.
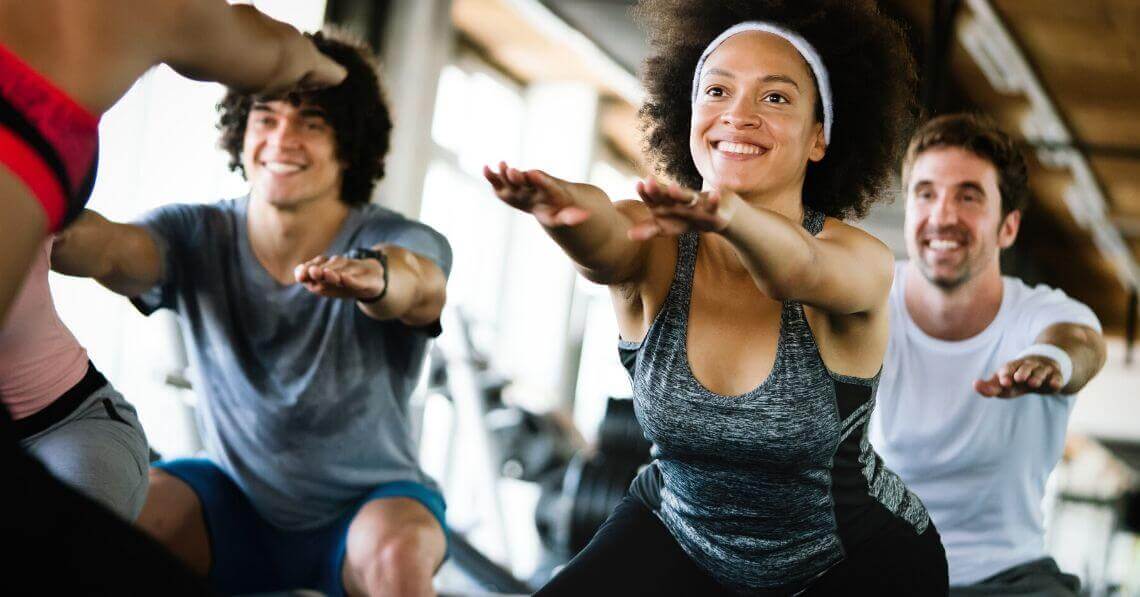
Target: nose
{"x": 741, "y": 115}
{"x": 285, "y": 134}
{"x": 944, "y": 211}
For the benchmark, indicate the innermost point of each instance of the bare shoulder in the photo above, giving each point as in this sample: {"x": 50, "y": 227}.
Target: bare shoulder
{"x": 837, "y": 230}
{"x": 858, "y": 243}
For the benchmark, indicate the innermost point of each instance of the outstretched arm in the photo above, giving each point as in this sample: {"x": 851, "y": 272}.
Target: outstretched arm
{"x": 1041, "y": 374}
{"x": 842, "y": 270}
{"x": 122, "y": 257}
{"x": 412, "y": 290}
{"x": 590, "y": 228}
{"x": 240, "y": 47}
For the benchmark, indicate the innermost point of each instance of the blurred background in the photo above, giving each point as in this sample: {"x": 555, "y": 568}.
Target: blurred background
{"x": 519, "y": 418}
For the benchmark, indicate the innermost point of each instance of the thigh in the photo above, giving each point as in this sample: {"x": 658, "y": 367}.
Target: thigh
{"x": 100, "y": 450}
{"x": 897, "y": 562}
{"x": 632, "y": 554}
{"x": 199, "y": 513}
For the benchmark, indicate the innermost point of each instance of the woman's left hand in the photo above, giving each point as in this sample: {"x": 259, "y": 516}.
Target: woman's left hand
{"x": 675, "y": 210}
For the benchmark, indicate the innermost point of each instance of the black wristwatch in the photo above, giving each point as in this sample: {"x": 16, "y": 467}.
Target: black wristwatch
{"x": 369, "y": 253}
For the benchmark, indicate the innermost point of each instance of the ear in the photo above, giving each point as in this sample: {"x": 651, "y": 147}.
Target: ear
{"x": 1007, "y": 232}
{"x": 818, "y": 146}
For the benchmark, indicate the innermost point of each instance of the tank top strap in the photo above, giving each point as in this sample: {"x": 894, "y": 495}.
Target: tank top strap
{"x": 681, "y": 290}
{"x": 793, "y": 322}
{"x": 813, "y": 220}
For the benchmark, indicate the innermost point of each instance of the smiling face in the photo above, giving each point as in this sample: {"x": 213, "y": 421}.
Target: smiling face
{"x": 954, "y": 225}
{"x": 289, "y": 154}
{"x": 753, "y": 128}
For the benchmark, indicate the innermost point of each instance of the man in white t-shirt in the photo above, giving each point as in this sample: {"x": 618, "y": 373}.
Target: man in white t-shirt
{"x": 981, "y": 370}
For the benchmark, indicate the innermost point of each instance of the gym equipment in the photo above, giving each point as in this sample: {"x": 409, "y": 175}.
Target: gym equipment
{"x": 575, "y": 504}
{"x": 487, "y": 574}
{"x": 530, "y": 445}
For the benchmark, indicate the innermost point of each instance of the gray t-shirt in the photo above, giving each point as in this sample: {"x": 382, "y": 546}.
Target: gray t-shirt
{"x": 302, "y": 399}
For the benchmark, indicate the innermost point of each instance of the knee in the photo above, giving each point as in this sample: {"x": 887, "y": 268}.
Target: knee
{"x": 400, "y": 559}
{"x": 401, "y": 553}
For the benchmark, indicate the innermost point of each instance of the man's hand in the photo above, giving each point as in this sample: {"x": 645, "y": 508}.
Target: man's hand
{"x": 1029, "y": 374}
{"x": 341, "y": 277}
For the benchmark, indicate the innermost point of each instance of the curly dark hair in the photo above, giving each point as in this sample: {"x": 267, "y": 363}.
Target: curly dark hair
{"x": 355, "y": 109}
{"x": 982, "y": 137}
{"x": 869, "y": 63}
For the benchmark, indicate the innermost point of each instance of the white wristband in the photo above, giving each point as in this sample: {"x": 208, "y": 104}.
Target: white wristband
{"x": 1064, "y": 363}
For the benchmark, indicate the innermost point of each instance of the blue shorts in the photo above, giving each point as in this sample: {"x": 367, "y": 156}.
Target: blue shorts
{"x": 250, "y": 555}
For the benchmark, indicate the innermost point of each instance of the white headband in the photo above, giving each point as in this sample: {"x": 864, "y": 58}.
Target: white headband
{"x": 801, "y": 45}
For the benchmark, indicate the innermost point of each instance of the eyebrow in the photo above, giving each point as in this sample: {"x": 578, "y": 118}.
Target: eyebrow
{"x": 310, "y": 112}
{"x": 968, "y": 185}
{"x": 307, "y": 112}
{"x": 776, "y": 78}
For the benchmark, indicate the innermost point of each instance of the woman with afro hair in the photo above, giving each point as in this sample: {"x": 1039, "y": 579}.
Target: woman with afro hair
{"x": 753, "y": 320}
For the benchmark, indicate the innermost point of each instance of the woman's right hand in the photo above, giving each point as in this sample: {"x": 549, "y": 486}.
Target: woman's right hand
{"x": 552, "y": 201}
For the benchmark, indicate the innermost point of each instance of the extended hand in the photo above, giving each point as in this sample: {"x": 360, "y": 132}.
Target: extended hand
{"x": 549, "y": 199}
{"x": 323, "y": 71}
{"x": 341, "y": 277}
{"x": 1030, "y": 374}
{"x": 675, "y": 210}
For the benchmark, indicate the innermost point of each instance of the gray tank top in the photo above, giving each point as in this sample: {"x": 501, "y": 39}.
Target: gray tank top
{"x": 769, "y": 489}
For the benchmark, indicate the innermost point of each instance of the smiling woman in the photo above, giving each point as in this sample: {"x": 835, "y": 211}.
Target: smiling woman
{"x": 870, "y": 71}
{"x": 753, "y": 321}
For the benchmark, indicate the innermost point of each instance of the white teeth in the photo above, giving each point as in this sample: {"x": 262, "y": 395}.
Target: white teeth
{"x": 743, "y": 148}
{"x": 282, "y": 167}
{"x": 943, "y": 245}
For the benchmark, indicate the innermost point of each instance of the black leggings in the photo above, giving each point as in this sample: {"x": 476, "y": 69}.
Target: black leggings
{"x": 633, "y": 554}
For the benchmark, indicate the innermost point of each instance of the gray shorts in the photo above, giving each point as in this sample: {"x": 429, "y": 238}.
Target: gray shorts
{"x": 100, "y": 450}
{"x": 1039, "y": 578}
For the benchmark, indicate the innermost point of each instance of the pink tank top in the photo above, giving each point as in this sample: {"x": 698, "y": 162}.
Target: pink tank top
{"x": 39, "y": 357}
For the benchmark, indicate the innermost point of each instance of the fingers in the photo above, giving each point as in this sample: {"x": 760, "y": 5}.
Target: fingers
{"x": 655, "y": 194}
{"x": 1020, "y": 377}
{"x": 514, "y": 187}
{"x": 549, "y": 199}
{"x": 302, "y": 272}
{"x": 643, "y": 231}
{"x": 321, "y": 270}
{"x": 493, "y": 178}
{"x": 340, "y": 277}
{"x": 327, "y": 73}
{"x": 990, "y": 388}
{"x": 1034, "y": 373}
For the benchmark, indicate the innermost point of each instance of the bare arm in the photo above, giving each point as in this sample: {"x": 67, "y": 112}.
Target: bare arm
{"x": 122, "y": 257}
{"x": 1040, "y": 374}
{"x": 843, "y": 270}
{"x": 591, "y": 229}
{"x": 23, "y": 229}
{"x": 414, "y": 294}
{"x": 238, "y": 46}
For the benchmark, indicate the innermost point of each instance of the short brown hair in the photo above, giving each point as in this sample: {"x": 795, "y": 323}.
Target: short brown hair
{"x": 982, "y": 137}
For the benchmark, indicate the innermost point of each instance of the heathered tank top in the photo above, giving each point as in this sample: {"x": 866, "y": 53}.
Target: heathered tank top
{"x": 769, "y": 489}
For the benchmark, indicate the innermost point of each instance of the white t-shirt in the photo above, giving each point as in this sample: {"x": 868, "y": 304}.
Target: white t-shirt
{"x": 978, "y": 464}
